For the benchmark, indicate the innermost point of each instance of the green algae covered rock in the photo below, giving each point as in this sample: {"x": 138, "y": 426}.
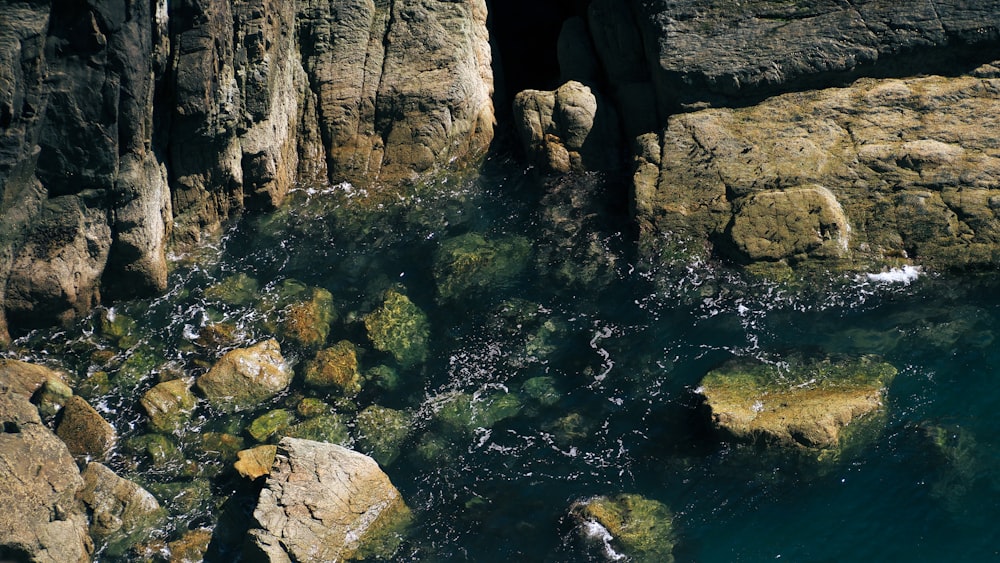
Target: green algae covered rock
{"x": 466, "y": 265}
{"x": 169, "y": 405}
{"x": 270, "y": 423}
{"x": 335, "y": 367}
{"x": 304, "y": 314}
{"x": 464, "y": 412}
{"x": 381, "y": 432}
{"x": 400, "y": 328}
{"x": 310, "y": 407}
{"x": 628, "y": 525}
{"x": 237, "y": 290}
{"x": 816, "y": 405}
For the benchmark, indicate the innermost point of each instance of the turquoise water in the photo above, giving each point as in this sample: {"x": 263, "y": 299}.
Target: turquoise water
{"x": 623, "y": 347}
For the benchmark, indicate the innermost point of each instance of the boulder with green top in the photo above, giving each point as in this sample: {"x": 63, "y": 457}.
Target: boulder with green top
{"x": 381, "y": 432}
{"x": 335, "y": 367}
{"x": 329, "y": 428}
{"x": 53, "y": 395}
{"x": 628, "y": 526}
{"x": 270, "y": 423}
{"x": 169, "y": 405}
{"x": 323, "y": 502}
{"x": 123, "y": 512}
{"x": 815, "y": 405}
{"x": 246, "y": 377}
{"x": 469, "y": 264}
{"x": 400, "y": 328}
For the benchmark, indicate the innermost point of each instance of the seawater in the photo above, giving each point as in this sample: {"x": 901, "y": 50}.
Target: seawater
{"x": 625, "y": 356}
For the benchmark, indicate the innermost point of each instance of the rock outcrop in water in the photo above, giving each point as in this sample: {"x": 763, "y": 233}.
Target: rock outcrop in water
{"x": 323, "y": 502}
{"x": 815, "y": 406}
{"x": 126, "y": 126}
{"x": 244, "y": 378}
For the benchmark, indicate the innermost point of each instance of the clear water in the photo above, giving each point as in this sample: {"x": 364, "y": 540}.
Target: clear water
{"x": 626, "y": 350}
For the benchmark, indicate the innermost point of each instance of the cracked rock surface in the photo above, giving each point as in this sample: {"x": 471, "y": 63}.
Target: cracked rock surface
{"x": 323, "y": 502}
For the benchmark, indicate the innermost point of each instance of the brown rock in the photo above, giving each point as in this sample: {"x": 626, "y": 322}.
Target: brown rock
{"x": 85, "y": 431}
{"x": 255, "y": 462}
{"x": 244, "y": 378}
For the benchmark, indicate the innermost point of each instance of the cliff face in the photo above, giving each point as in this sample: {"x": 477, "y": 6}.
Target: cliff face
{"x": 125, "y": 125}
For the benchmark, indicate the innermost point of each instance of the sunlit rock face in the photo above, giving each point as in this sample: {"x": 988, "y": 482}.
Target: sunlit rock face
{"x": 880, "y": 172}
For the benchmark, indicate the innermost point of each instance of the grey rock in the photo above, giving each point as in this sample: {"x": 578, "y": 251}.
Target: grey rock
{"x": 323, "y": 502}
{"x": 40, "y": 517}
{"x": 122, "y": 512}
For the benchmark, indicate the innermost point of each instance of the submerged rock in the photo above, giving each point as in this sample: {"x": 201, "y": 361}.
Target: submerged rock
{"x": 335, "y": 367}
{"x": 307, "y": 318}
{"x": 40, "y": 517}
{"x": 874, "y": 174}
{"x": 244, "y": 378}
{"x": 238, "y": 290}
{"x": 468, "y": 265}
{"x": 627, "y": 526}
{"x": 123, "y": 513}
{"x": 329, "y": 428}
{"x": 323, "y": 502}
{"x": 270, "y": 423}
{"x": 400, "y": 328}
{"x": 811, "y": 405}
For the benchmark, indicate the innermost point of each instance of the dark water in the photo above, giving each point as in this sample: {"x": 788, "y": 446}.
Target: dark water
{"x": 623, "y": 347}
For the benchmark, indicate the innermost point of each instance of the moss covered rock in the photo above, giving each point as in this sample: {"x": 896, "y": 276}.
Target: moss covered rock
{"x": 468, "y": 264}
{"x": 400, "y": 328}
{"x": 270, "y": 423}
{"x": 329, "y": 428}
{"x": 237, "y": 290}
{"x": 169, "y": 405}
{"x": 628, "y": 526}
{"x": 464, "y": 412}
{"x": 335, "y": 367}
{"x": 812, "y": 404}
{"x": 381, "y": 432}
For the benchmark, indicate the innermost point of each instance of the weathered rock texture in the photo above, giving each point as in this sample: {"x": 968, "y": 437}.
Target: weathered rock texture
{"x": 322, "y": 502}
{"x": 122, "y": 512}
{"x": 40, "y": 517}
{"x": 853, "y": 177}
{"x": 245, "y": 377}
{"x": 125, "y": 126}
{"x": 811, "y": 405}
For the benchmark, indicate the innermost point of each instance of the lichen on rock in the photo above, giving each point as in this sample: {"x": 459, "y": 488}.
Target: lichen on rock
{"x": 400, "y": 328}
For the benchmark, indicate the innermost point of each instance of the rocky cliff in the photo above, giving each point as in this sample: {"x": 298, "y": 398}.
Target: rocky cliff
{"x": 127, "y": 126}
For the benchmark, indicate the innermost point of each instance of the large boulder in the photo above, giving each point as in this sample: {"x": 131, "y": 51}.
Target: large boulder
{"x": 246, "y": 377}
{"x": 811, "y": 405}
{"x": 847, "y": 178}
{"x": 40, "y": 517}
{"x": 122, "y": 512}
{"x": 323, "y": 502}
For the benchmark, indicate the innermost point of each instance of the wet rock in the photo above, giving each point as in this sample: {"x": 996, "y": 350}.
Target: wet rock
{"x": 237, "y": 290}
{"x": 192, "y": 546}
{"x": 323, "y": 502}
{"x": 255, "y": 462}
{"x": 269, "y": 424}
{"x": 183, "y": 497}
{"x": 542, "y": 390}
{"x": 400, "y": 328}
{"x": 627, "y": 526}
{"x": 310, "y": 407}
{"x": 52, "y": 397}
{"x": 219, "y": 445}
{"x": 307, "y": 317}
{"x": 845, "y": 178}
{"x": 85, "y": 431}
{"x": 118, "y": 327}
{"x": 160, "y": 450}
{"x": 381, "y": 432}
{"x": 246, "y": 377}
{"x": 336, "y": 368}
{"x": 24, "y": 378}
{"x": 403, "y": 91}
{"x": 811, "y": 405}
{"x": 40, "y": 517}
{"x": 464, "y": 412}
{"x": 122, "y": 512}
{"x": 383, "y": 377}
{"x": 169, "y": 405}
{"x": 469, "y": 265}
{"x": 571, "y": 129}
{"x": 329, "y": 428}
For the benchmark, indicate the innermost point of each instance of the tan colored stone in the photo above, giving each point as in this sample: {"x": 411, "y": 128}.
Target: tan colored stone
{"x": 255, "y": 462}
{"x": 85, "y": 431}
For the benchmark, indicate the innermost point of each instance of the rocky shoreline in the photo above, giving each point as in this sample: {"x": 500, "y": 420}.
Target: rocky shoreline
{"x": 780, "y": 137}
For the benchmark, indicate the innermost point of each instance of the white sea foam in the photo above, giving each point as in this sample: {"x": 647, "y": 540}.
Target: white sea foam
{"x": 905, "y": 275}
{"x": 595, "y": 531}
